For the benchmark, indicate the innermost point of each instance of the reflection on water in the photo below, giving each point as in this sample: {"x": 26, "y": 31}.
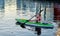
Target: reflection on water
{"x": 2, "y": 14}
{"x": 9, "y": 28}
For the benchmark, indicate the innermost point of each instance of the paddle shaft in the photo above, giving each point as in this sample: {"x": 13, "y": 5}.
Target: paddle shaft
{"x": 33, "y": 16}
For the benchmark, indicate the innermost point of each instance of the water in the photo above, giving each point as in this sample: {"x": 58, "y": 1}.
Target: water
{"x": 9, "y": 28}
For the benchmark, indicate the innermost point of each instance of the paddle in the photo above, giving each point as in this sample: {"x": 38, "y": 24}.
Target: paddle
{"x": 36, "y": 14}
{"x": 33, "y": 16}
{"x": 22, "y": 24}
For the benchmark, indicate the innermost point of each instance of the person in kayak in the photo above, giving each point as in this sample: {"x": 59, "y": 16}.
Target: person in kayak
{"x": 38, "y": 29}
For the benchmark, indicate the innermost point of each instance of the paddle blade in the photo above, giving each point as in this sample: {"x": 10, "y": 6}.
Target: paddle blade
{"x": 22, "y": 25}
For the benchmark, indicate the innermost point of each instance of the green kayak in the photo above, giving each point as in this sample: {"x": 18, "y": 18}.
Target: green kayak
{"x": 34, "y": 24}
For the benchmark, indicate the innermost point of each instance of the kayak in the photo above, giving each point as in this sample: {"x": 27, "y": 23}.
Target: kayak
{"x": 34, "y": 24}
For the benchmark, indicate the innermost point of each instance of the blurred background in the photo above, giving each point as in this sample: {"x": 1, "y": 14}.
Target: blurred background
{"x": 12, "y": 9}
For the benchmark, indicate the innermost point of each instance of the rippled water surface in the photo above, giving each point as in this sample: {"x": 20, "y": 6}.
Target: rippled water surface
{"x": 9, "y": 28}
